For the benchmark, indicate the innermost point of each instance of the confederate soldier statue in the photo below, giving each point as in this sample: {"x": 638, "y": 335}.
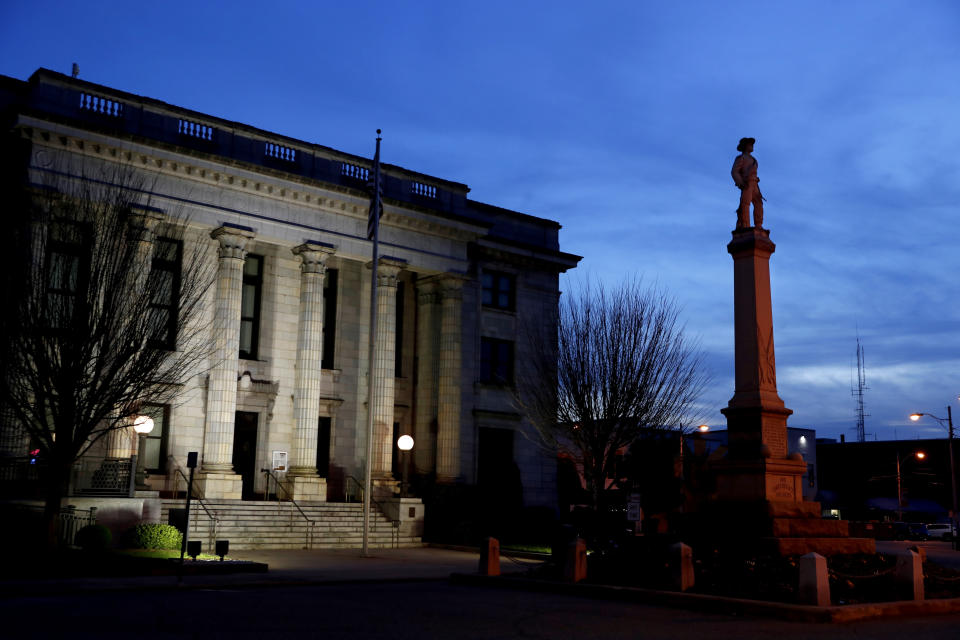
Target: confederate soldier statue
{"x": 744, "y": 174}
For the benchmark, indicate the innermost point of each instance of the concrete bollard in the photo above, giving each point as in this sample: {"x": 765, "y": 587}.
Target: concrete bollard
{"x": 814, "y": 580}
{"x": 490, "y": 557}
{"x": 909, "y": 574}
{"x": 681, "y": 557}
{"x": 575, "y": 562}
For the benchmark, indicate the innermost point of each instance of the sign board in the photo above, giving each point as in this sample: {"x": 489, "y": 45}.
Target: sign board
{"x": 279, "y": 460}
{"x": 634, "y": 514}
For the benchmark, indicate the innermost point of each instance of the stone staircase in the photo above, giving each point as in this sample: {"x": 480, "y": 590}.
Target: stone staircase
{"x": 279, "y": 525}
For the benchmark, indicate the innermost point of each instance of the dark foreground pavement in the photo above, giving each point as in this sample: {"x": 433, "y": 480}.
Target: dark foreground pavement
{"x": 415, "y": 610}
{"x": 403, "y": 593}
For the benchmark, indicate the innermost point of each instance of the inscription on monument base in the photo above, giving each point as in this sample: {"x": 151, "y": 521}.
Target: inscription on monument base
{"x": 782, "y": 488}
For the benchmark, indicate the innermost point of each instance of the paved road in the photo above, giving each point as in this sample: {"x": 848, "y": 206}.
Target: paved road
{"x": 401, "y": 610}
{"x": 939, "y": 552}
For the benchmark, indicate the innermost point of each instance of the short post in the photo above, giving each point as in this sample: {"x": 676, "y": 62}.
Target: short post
{"x": 814, "y": 580}
{"x": 192, "y": 465}
{"x": 682, "y": 570}
{"x": 490, "y": 557}
{"x": 909, "y": 574}
{"x": 575, "y": 563}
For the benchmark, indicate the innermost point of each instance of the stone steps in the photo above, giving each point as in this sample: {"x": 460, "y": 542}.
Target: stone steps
{"x": 279, "y": 525}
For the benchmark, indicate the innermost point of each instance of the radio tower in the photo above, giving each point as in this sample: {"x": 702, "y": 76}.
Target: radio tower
{"x": 858, "y": 392}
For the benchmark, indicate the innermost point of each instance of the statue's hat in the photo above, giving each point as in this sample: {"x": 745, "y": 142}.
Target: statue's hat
{"x": 744, "y": 142}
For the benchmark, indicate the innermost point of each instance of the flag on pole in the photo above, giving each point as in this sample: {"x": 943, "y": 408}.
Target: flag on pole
{"x": 376, "y": 201}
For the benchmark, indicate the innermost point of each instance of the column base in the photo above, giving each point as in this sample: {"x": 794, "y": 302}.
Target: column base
{"x": 220, "y": 486}
{"x": 385, "y": 487}
{"x": 307, "y": 488}
{"x": 409, "y": 511}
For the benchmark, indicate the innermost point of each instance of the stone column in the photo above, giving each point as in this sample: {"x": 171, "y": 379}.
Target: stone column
{"x": 757, "y": 467}
{"x": 219, "y": 479}
{"x": 385, "y": 367}
{"x": 306, "y": 484}
{"x": 449, "y": 391}
{"x": 143, "y": 222}
{"x": 121, "y": 442}
{"x": 428, "y": 351}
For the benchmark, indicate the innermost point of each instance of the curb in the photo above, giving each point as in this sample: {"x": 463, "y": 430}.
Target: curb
{"x": 59, "y": 589}
{"x": 720, "y": 604}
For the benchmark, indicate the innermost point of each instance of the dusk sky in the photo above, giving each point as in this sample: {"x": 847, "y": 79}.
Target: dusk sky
{"x": 620, "y": 120}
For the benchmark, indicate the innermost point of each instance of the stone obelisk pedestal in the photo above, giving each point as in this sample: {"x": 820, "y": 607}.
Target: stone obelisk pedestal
{"x": 759, "y": 493}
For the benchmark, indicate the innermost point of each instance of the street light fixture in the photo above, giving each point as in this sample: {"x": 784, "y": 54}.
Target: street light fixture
{"x": 948, "y": 425}
{"x": 919, "y": 455}
{"x": 142, "y": 425}
{"x": 405, "y": 444}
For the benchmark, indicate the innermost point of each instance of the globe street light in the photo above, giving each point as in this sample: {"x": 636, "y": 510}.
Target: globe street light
{"x": 948, "y": 424}
{"x": 405, "y": 444}
{"x": 142, "y": 425}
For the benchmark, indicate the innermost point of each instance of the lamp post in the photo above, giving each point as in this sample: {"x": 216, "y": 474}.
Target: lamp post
{"x": 405, "y": 444}
{"x": 953, "y": 473}
{"x": 919, "y": 455}
{"x": 142, "y": 425}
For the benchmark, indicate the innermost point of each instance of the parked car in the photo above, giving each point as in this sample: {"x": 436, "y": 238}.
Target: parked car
{"x": 940, "y": 531}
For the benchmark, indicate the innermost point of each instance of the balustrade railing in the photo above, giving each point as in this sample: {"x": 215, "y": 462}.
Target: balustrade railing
{"x": 101, "y": 105}
{"x": 424, "y": 190}
{"x": 280, "y": 152}
{"x": 197, "y": 130}
{"x": 354, "y": 172}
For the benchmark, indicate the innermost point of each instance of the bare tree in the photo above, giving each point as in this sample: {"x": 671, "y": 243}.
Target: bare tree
{"x": 103, "y": 299}
{"x": 619, "y": 366}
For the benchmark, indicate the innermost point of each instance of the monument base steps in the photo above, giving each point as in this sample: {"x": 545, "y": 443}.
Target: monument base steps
{"x": 784, "y": 528}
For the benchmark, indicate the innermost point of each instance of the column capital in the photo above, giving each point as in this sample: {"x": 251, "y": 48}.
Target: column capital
{"x": 388, "y": 270}
{"x": 313, "y": 256}
{"x": 451, "y": 285}
{"x": 233, "y": 240}
{"x": 143, "y": 222}
{"x": 427, "y": 292}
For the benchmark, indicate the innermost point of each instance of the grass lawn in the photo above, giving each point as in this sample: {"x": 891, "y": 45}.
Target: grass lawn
{"x": 165, "y": 553}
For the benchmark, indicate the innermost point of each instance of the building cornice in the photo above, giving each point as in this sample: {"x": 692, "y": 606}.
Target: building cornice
{"x": 249, "y": 179}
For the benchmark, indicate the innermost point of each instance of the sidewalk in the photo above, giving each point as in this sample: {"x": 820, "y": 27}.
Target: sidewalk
{"x": 285, "y": 568}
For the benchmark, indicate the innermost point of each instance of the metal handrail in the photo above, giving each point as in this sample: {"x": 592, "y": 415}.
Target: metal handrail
{"x": 276, "y": 481}
{"x": 395, "y": 523}
{"x": 198, "y": 495}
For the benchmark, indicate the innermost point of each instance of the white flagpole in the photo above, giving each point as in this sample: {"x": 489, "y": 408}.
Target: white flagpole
{"x": 371, "y": 375}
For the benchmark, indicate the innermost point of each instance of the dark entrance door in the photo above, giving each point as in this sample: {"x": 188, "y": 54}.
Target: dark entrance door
{"x": 494, "y": 458}
{"x": 245, "y": 450}
{"x": 498, "y": 480}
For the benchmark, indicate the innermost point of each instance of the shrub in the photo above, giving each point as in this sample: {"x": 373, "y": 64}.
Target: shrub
{"x": 93, "y": 537}
{"x": 153, "y": 536}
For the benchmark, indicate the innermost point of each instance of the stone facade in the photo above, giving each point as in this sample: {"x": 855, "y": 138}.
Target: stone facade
{"x": 285, "y": 222}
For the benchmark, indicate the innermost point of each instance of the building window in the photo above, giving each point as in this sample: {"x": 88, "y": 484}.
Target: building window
{"x": 498, "y": 290}
{"x": 165, "y": 292}
{"x": 811, "y": 476}
{"x": 250, "y": 306}
{"x": 155, "y": 443}
{"x": 329, "y": 318}
{"x": 496, "y": 361}
{"x": 68, "y": 268}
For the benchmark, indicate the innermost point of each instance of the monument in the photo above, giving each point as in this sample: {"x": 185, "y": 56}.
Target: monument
{"x": 759, "y": 487}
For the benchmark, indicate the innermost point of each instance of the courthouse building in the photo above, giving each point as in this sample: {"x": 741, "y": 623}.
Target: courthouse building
{"x": 459, "y": 284}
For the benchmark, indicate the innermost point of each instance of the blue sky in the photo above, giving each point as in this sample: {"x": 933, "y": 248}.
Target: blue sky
{"x": 620, "y": 120}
